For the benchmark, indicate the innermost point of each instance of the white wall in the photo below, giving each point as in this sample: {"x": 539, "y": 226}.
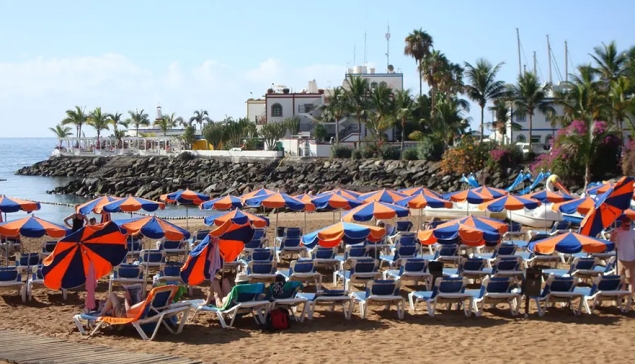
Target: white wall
{"x": 290, "y": 104}
{"x": 243, "y": 153}
{"x": 256, "y": 108}
{"x": 392, "y": 80}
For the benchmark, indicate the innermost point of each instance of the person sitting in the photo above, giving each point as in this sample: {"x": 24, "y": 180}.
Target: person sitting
{"x": 116, "y": 307}
{"x": 219, "y": 291}
{"x": 92, "y": 221}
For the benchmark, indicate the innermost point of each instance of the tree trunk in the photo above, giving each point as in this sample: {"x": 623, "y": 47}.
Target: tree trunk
{"x": 337, "y": 131}
{"x": 531, "y": 128}
{"x": 482, "y": 121}
{"x": 403, "y": 136}
{"x": 420, "y": 78}
{"x": 587, "y": 175}
{"x": 359, "y": 130}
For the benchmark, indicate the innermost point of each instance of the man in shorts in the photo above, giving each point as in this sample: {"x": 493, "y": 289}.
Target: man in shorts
{"x": 624, "y": 239}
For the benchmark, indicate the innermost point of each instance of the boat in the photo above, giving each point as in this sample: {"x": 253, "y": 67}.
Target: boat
{"x": 462, "y": 209}
{"x": 542, "y": 217}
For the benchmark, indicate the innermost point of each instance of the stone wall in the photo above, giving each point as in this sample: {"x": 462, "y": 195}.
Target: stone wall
{"x": 150, "y": 177}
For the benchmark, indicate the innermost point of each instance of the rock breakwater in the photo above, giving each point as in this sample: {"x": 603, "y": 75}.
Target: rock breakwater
{"x": 150, "y": 177}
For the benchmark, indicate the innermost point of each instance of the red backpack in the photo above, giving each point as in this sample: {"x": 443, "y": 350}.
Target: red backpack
{"x": 278, "y": 319}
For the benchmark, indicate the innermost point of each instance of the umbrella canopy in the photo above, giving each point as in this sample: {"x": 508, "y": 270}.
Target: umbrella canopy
{"x": 383, "y": 195}
{"x": 305, "y": 197}
{"x": 491, "y": 192}
{"x": 102, "y": 246}
{"x": 256, "y": 193}
{"x": 185, "y": 197}
{"x": 237, "y": 217}
{"x": 279, "y": 200}
{"x": 424, "y": 198}
{"x": 509, "y": 203}
{"x": 8, "y": 204}
{"x": 154, "y": 228}
{"x": 335, "y": 201}
{"x": 598, "y": 190}
{"x": 471, "y": 196}
{"x": 608, "y": 207}
{"x": 416, "y": 190}
{"x": 331, "y": 236}
{"x": 341, "y": 192}
{"x": 571, "y": 243}
{"x": 469, "y": 235}
{"x": 33, "y": 227}
{"x": 581, "y": 205}
{"x": 222, "y": 203}
{"x": 550, "y": 196}
{"x": 132, "y": 204}
{"x": 231, "y": 239}
{"x": 96, "y": 205}
{"x": 375, "y": 210}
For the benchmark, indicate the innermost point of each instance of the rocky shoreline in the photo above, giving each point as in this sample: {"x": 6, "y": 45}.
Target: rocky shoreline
{"x": 149, "y": 177}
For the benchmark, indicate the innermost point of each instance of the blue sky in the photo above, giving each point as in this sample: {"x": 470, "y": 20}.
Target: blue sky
{"x": 189, "y": 55}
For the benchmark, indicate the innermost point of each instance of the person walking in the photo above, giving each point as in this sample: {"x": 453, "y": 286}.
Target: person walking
{"x": 624, "y": 239}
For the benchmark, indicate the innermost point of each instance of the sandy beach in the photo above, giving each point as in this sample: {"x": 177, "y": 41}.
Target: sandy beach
{"x": 450, "y": 337}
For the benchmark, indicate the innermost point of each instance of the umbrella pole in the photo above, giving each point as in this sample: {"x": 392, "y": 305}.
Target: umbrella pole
{"x": 187, "y": 218}
{"x": 305, "y": 221}
{"x": 275, "y": 234}
{"x": 333, "y": 216}
{"x": 419, "y": 229}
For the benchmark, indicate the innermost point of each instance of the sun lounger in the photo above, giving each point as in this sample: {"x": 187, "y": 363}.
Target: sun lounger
{"x": 581, "y": 267}
{"x": 606, "y": 288}
{"x": 559, "y": 289}
{"x": 289, "y": 299}
{"x": 493, "y": 291}
{"x": 363, "y": 271}
{"x": 506, "y": 267}
{"x": 411, "y": 270}
{"x": 330, "y": 298}
{"x": 243, "y": 299}
{"x": 125, "y": 274}
{"x": 401, "y": 251}
{"x": 158, "y": 310}
{"x": 472, "y": 268}
{"x": 11, "y": 277}
{"x": 37, "y": 279}
{"x": 383, "y": 292}
{"x": 445, "y": 290}
{"x": 261, "y": 271}
{"x": 325, "y": 257}
{"x": 302, "y": 270}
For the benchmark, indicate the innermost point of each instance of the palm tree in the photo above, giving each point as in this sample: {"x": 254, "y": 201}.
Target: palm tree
{"x": 609, "y": 62}
{"x": 622, "y": 104}
{"x": 115, "y": 121}
{"x": 98, "y": 120}
{"x": 138, "y": 118}
{"x": 585, "y": 146}
{"x": 199, "y": 117}
{"x": 336, "y": 109}
{"x": 382, "y": 111}
{"x": 450, "y": 119}
{"x": 418, "y": 46}
{"x": 405, "y": 108}
{"x": 582, "y": 97}
{"x": 432, "y": 69}
{"x": 528, "y": 96}
{"x": 165, "y": 124}
{"x": 76, "y": 117}
{"x": 483, "y": 85}
{"x": 357, "y": 99}
{"x": 61, "y": 132}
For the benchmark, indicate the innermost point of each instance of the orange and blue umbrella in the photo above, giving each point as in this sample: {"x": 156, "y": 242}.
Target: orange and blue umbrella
{"x": 383, "y": 195}
{"x": 279, "y": 200}
{"x": 416, "y": 190}
{"x": 335, "y": 201}
{"x": 96, "y": 205}
{"x": 609, "y": 206}
{"x": 341, "y": 192}
{"x": 185, "y": 197}
{"x": 33, "y": 227}
{"x": 154, "y": 228}
{"x": 230, "y": 239}
{"x": 479, "y": 223}
{"x": 350, "y": 233}
{"x": 598, "y": 190}
{"x": 100, "y": 246}
{"x": 571, "y": 243}
{"x": 256, "y": 193}
{"x": 471, "y": 196}
{"x": 469, "y": 235}
{"x": 549, "y": 196}
{"x": 8, "y": 204}
{"x": 132, "y": 204}
{"x": 424, "y": 198}
{"x": 238, "y": 217}
{"x": 375, "y": 210}
{"x": 581, "y": 205}
{"x": 509, "y": 203}
{"x": 228, "y": 202}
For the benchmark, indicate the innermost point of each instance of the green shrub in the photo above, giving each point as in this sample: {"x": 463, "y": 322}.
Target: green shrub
{"x": 390, "y": 153}
{"x": 430, "y": 149}
{"x": 411, "y": 154}
{"x": 341, "y": 152}
{"x": 356, "y": 154}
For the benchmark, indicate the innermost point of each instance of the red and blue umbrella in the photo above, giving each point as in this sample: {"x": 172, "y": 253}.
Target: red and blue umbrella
{"x": 96, "y": 205}
{"x": 256, "y": 193}
{"x": 491, "y": 192}
{"x": 222, "y": 203}
{"x": 509, "y": 203}
{"x": 351, "y": 233}
{"x": 154, "y": 228}
{"x": 472, "y": 231}
{"x": 335, "y": 201}
{"x": 609, "y": 206}
{"x": 132, "y": 204}
{"x": 571, "y": 243}
{"x": 185, "y": 197}
{"x": 416, "y": 190}
{"x": 549, "y": 196}
{"x": 383, "y": 195}
{"x": 238, "y": 217}
{"x": 279, "y": 200}
{"x": 102, "y": 246}
{"x": 471, "y": 196}
{"x": 8, "y": 204}
{"x": 375, "y": 210}
{"x": 230, "y": 239}
{"x": 341, "y": 192}
{"x": 33, "y": 227}
{"x": 423, "y": 198}
{"x": 581, "y": 205}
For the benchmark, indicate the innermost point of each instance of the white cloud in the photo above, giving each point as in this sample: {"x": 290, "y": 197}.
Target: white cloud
{"x": 37, "y": 92}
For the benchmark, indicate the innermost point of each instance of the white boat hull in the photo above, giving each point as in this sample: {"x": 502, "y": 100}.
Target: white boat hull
{"x": 542, "y": 217}
{"x": 460, "y": 210}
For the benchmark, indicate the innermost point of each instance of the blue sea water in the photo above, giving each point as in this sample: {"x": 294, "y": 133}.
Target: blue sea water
{"x": 16, "y": 153}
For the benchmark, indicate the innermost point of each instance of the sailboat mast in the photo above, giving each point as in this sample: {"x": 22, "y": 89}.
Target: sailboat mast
{"x": 566, "y": 62}
{"x": 549, "y": 55}
{"x": 520, "y": 67}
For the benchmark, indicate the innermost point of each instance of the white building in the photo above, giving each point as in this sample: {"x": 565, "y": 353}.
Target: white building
{"x": 281, "y": 103}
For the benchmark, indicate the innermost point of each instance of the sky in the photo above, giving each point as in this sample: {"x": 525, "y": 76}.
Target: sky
{"x": 213, "y": 55}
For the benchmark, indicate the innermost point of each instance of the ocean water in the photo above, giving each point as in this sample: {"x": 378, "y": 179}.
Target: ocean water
{"x": 16, "y": 153}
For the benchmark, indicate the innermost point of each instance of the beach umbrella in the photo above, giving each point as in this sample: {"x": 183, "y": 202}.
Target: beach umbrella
{"x": 8, "y": 204}
{"x": 256, "y": 193}
{"x": 335, "y": 201}
{"x": 509, "y": 203}
{"x": 571, "y": 243}
{"x": 85, "y": 256}
{"x": 469, "y": 196}
{"x": 598, "y": 190}
{"x": 185, "y": 197}
{"x": 416, "y": 190}
{"x": 33, "y": 227}
{"x": 341, "y": 192}
{"x": 132, "y": 204}
{"x": 473, "y": 231}
{"x": 237, "y": 217}
{"x": 375, "y": 210}
{"x": 581, "y": 205}
{"x": 154, "y": 228}
{"x": 383, "y": 195}
{"x": 96, "y": 206}
{"x": 226, "y": 241}
{"x": 350, "y": 233}
{"x": 550, "y": 196}
{"x": 277, "y": 201}
{"x": 422, "y": 199}
{"x": 306, "y": 198}
{"x": 609, "y": 206}
{"x": 491, "y": 192}
{"x": 222, "y": 203}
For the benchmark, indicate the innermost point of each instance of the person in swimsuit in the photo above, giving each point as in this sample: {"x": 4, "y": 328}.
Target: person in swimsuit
{"x": 116, "y": 307}
{"x": 76, "y": 221}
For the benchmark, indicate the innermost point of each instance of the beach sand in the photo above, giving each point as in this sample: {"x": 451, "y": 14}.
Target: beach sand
{"x": 450, "y": 337}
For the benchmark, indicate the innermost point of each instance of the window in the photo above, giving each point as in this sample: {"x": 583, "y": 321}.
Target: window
{"x": 535, "y": 138}
{"x": 276, "y": 110}
{"x": 383, "y": 84}
{"x": 520, "y": 118}
{"x": 549, "y": 139}
{"x": 373, "y": 85}
{"x": 521, "y": 138}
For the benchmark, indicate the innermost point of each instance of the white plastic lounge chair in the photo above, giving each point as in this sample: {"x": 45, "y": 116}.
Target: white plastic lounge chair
{"x": 302, "y": 270}
{"x": 261, "y": 271}
{"x": 37, "y": 279}
{"x": 243, "y": 299}
{"x": 383, "y": 292}
{"x": 411, "y": 270}
{"x": 290, "y": 300}
{"x": 559, "y": 289}
{"x": 363, "y": 271}
{"x": 445, "y": 290}
{"x": 401, "y": 252}
{"x": 330, "y": 298}
{"x": 10, "y": 277}
{"x": 325, "y": 257}
{"x": 579, "y": 268}
{"x": 606, "y": 288}
{"x": 472, "y": 268}
{"x": 125, "y": 274}
{"x": 493, "y": 291}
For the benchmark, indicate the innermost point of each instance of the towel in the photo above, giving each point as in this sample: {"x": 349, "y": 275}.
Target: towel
{"x": 214, "y": 258}
{"x": 89, "y": 304}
